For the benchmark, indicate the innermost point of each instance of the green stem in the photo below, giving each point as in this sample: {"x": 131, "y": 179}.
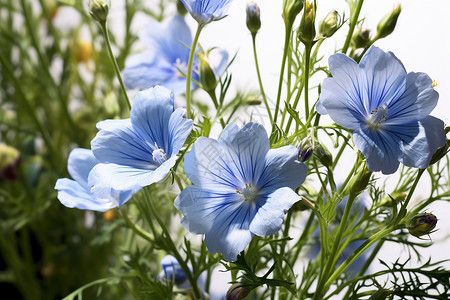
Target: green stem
{"x": 353, "y": 22}
{"x": 189, "y": 70}
{"x": 287, "y": 39}
{"x": 263, "y": 94}
{"x": 306, "y": 78}
{"x": 136, "y": 228}
{"x": 116, "y": 66}
{"x": 302, "y": 239}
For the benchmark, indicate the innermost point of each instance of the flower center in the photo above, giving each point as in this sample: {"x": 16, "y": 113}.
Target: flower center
{"x": 377, "y": 117}
{"x": 159, "y": 156}
{"x": 180, "y": 68}
{"x": 249, "y": 193}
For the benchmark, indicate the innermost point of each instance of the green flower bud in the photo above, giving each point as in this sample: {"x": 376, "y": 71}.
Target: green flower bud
{"x": 360, "y": 181}
{"x": 206, "y": 74}
{"x": 324, "y": 156}
{"x": 387, "y": 24}
{"x": 99, "y": 10}
{"x": 291, "y": 8}
{"x": 393, "y": 199}
{"x": 239, "y": 291}
{"x": 330, "y": 24}
{"x": 9, "y": 162}
{"x": 381, "y": 294}
{"x": 253, "y": 17}
{"x": 361, "y": 38}
{"x": 180, "y": 8}
{"x": 307, "y": 29}
{"x": 422, "y": 224}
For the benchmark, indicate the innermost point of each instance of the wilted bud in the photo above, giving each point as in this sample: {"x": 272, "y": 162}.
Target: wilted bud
{"x": 9, "y": 162}
{"x": 422, "y": 224}
{"x": 360, "y": 181}
{"x": 291, "y": 8}
{"x": 304, "y": 153}
{"x": 99, "y": 10}
{"x": 239, "y": 291}
{"x": 324, "y": 156}
{"x": 381, "y": 294}
{"x": 307, "y": 29}
{"x": 393, "y": 199}
{"x": 83, "y": 51}
{"x": 206, "y": 73}
{"x": 330, "y": 24}
{"x": 361, "y": 38}
{"x": 387, "y": 24}
{"x": 253, "y": 17}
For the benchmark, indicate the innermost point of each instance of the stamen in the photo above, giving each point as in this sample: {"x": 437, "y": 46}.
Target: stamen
{"x": 159, "y": 156}
{"x": 249, "y": 193}
{"x": 377, "y": 117}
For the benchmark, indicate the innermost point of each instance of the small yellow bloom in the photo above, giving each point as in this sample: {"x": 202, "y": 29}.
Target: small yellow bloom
{"x": 434, "y": 83}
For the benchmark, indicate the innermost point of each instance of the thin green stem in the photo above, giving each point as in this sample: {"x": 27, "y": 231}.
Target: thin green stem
{"x": 263, "y": 94}
{"x": 189, "y": 70}
{"x": 136, "y": 228}
{"x": 353, "y": 22}
{"x": 116, "y": 67}
{"x": 287, "y": 39}
{"x": 306, "y": 78}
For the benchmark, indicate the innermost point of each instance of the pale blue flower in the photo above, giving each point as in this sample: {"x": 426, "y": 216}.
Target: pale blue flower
{"x": 241, "y": 188}
{"x": 206, "y": 11}
{"x": 171, "y": 270}
{"x": 141, "y": 150}
{"x": 166, "y": 58}
{"x": 77, "y": 193}
{"x": 387, "y": 109}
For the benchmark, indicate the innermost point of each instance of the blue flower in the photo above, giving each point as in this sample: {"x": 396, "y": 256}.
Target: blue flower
{"x": 76, "y": 193}
{"x": 387, "y": 109}
{"x": 206, "y": 11}
{"x": 171, "y": 270}
{"x": 241, "y": 188}
{"x": 167, "y": 54}
{"x": 141, "y": 150}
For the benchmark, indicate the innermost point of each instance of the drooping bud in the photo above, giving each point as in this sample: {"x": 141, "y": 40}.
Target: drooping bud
{"x": 99, "y": 10}
{"x": 387, "y": 24}
{"x": 253, "y": 17}
{"x": 361, "y": 38}
{"x": 207, "y": 77}
{"x": 239, "y": 291}
{"x": 360, "y": 181}
{"x": 324, "y": 155}
{"x": 9, "y": 162}
{"x": 422, "y": 224}
{"x": 307, "y": 29}
{"x": 330, "y": 24}
{"x": 291, "y": 8}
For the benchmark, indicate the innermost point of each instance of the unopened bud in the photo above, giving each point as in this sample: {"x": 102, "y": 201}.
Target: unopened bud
{"x": 330, "y": 24}
{"x": 360, "y": 181}
{"x": 361, "y": 38}
{"x": 253, "y": 17}
{"x": 324, "y": 156}
{"x": 180, "y": 8}
{"x": 307, "y": 29}
{"x": 239, "y": 291}
{"x": 99, "y": 10}
{"x": 9, "y": 162}
{"x": 422, "y": 224}
{"x": 387, "y": 24}
{"x": 381, "y": 294}
{"x": 291, "y": 8}
{"x": 440, "y": 153}
{"x": 305, "y": 153}
{"x": 206, "y": 74}
{"x": 393, "y": 199}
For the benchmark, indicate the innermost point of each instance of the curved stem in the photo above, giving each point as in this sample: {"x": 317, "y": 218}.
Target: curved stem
{"x": 115, "y": 65}
{"x": 287, "y": 38}
{"x": 353, "y": 22}
{"x": 189, "y": 70}
{"x": 259, "y": 79}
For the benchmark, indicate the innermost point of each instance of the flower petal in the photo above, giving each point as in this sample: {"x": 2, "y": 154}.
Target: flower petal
{"x": 72, "y": 194}
{"x": 271, "y": 211}
{"x": 80, "y": 163}
{"x": 282, "y": 169}
{"x": 179, "y": 130}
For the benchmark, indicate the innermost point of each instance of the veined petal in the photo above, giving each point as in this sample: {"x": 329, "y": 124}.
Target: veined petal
{"x": 282, "y": 169}
{"x": 420, "y": 140}
{"x": 72, "y": 194}
{"x": 119, "y": 143}
{"x": 80, "y": 163}
{"x": 179, "y": 130}
{"x": 206, "y": 11}
{"x": 271, "y": 210}
{"x": 417, "y": 101}
{"x": 208, "y": 165}
{"x": 380, "y": 148}
{"x": 150, "y": 114}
